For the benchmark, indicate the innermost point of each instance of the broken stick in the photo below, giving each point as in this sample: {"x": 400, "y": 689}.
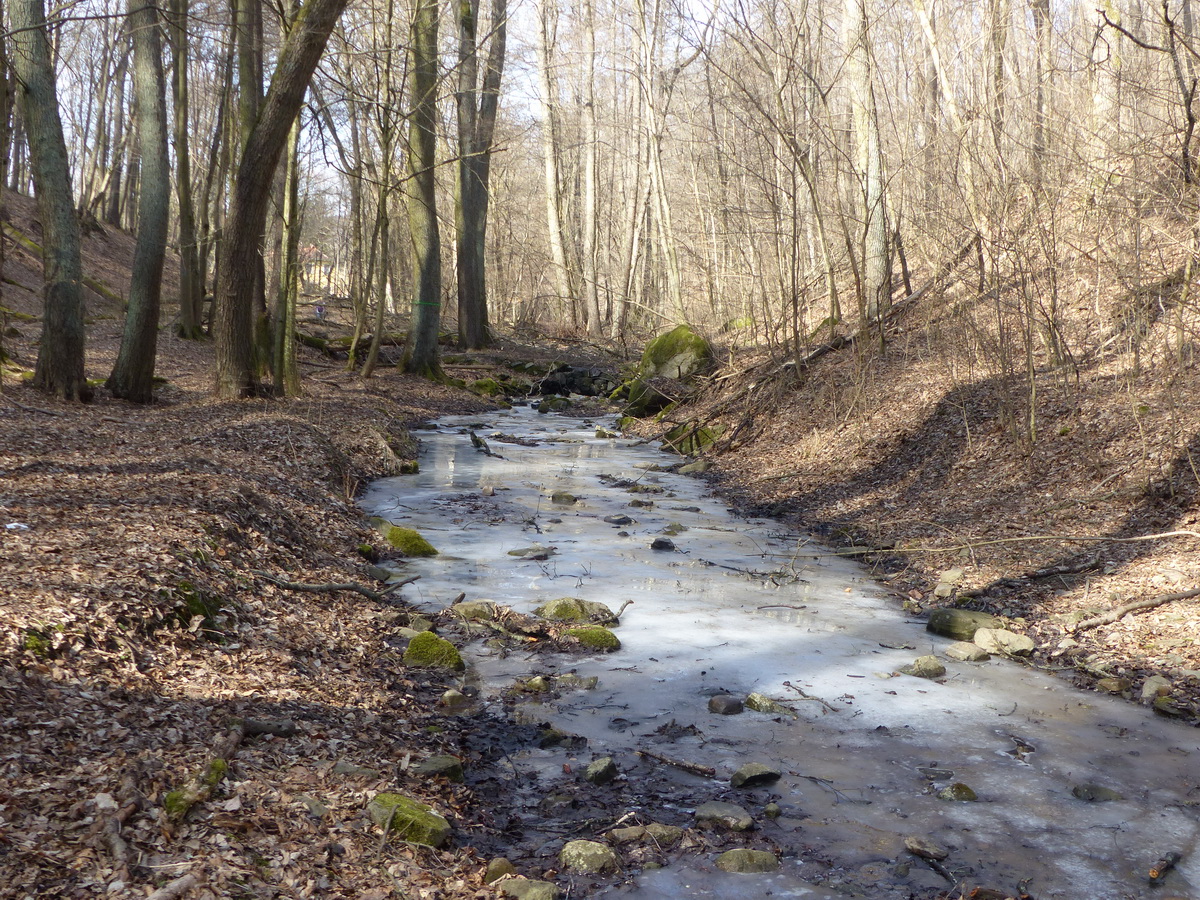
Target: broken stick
{"x": 330, "y": 587}
{"x": 693, "y": 768}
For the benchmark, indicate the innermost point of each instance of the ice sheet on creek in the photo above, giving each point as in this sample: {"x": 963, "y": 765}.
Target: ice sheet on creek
{"x": 740, "y": 606}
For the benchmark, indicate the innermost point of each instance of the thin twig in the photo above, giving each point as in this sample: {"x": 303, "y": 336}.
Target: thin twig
{"x": 693, "y": 768}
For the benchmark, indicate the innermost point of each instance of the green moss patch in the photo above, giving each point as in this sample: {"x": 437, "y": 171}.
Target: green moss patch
{"x": 408, "y": 541}
{"x": 679, "y": 353}
{"x": 429, "y": 651}
{"x": 596, "y": 638}
{"x": 410, "y": 819}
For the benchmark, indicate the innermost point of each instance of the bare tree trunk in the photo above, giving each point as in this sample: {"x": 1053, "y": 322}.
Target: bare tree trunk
{"x": 591, "y": 296}
{"x": 191, "y": 280}
{"x": 476, "y": 129}
{"x": 133, "y": 374}
{"x": 59, "y": 370}
{"x": 287, "y": 376}
{"x": 421, "y": 355}
{"x": 876, "y": 265}
{"x": 236, "y": 375}
{"x": 564, "y": 275}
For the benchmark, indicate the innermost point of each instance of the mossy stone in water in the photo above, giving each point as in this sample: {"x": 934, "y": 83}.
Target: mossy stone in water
{"x": 408, "y": 541}
{"x": 427, "y": 650}
{"x": 588, "y": 858}
{"x": 572, "y": 609}
{"x": 744, "y": 861}
{"x": 596, "y": 638}
{"x": 412, "y": 820}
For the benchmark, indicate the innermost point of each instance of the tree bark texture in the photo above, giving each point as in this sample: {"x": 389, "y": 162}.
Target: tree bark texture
{"x": 133, "y": 374}
{"x": 421, "y": 355}
{"x": 236, "y": 375}
{"x": 59, "y": 369}
{"x": 476, "y": 128}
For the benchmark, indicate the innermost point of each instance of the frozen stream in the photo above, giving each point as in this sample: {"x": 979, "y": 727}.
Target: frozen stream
{"x": 740, "y": 606}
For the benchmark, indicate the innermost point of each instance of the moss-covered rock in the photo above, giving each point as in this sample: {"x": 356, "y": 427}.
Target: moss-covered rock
{"x": 960, "y": 624}
{"x": 408, "y": 541}
{"x": 588, "y": 858}
{"x": 487, "y": 387}
{"x": 572, "y": 609}
{"x": 441, "y": 766}
{"x": 410, "y": 819}
{"x": 679, "y": 353}
{"x": 641, "y": 399}
{"x": 476, "y": 610}
{"x": 596, "y": 638}
{"x": 429, "y": 651}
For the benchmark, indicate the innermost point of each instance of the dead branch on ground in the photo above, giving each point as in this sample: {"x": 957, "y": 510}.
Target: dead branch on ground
{"x": 333, "y": 587}
{"x": 1136, "y": 606}
{"x": 693, "y": 768}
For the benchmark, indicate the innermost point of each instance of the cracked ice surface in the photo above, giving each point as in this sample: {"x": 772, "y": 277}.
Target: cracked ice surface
{"x": 742, "y": 606}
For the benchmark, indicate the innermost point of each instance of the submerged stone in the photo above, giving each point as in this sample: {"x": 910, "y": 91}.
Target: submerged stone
{"x": 412, "y": 820}
{"x": 925, "y": 848}
{"x": 588, "y": 858}
{"x": 572, "y": 609}
{"x": 744, "y": 861}
{"x": 1094, "y": 793}
{"x": 957, "y": 792}
{"x": 476, "y": 610}
{"x": 563, "y": 498}
{"x": 596, "y": 638}
{"x": 924, "y": 667}
{"x": 755, "y": 775}
{"x": 601, "y": 771}
{"x": 764, "y": 704}
{"x": 729, "y": 816}
{"x": 521, "y": 888}
{"x": 725, "y": 705}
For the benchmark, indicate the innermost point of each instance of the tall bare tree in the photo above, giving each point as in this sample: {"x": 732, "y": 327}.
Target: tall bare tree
{"x": 59, "y": 368}
{"x": 477, "y": 107}
{"x": 133, "y": 374}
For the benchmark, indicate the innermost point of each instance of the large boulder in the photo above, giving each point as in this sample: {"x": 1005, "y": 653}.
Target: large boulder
{"x": 679, "y": 353}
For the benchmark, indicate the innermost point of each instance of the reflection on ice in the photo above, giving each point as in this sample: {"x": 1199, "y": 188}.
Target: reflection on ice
{"x": 740, "y": 607}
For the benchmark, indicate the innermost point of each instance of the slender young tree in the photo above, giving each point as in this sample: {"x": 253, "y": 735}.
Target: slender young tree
{"x": 59, "y": 370}
{"x": 236, "y": 374}
{"x": 191, "y": 278}
{"x": 133, "y": 374}
{"x": 476, "y": 128}
{"x": 421, "y": 354}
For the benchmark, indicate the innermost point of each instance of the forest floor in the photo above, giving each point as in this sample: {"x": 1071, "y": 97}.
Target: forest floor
{"x": 141, "y": 614}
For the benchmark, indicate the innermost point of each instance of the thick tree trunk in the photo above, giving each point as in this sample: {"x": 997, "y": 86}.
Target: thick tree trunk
{"x": 476, "y": 128}
{"x": 132, "y": 375}
{"x": 236, "y": 375}
{"x": 59, "y": 368}
{"x": 421, "y": 355}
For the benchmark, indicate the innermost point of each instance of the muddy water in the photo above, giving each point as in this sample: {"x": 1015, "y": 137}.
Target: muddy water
{"x": 739, "y": 606}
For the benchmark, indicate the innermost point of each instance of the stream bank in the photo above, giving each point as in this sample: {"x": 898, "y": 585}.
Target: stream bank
{"x": 1014, "y": 780}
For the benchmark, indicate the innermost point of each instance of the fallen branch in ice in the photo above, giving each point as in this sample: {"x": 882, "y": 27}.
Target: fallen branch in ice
{"x": 804, "y": 696}
{"x": 1159, "y": 870}
{"x": 1136, "y": 606}
{"x": 331, "y": 587}
{"x": 693, "y": 768}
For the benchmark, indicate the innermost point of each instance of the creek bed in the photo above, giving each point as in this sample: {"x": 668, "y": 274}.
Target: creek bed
{"x": 734, "y": 606}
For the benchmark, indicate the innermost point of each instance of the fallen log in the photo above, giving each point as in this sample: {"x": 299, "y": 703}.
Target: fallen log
{"x": 1136, "y": 606}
